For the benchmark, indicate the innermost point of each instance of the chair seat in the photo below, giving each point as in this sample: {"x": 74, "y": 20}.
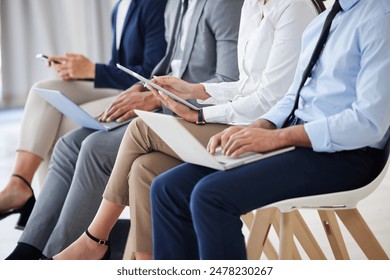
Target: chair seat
{"x": 334, "y": 201}
{"x": 343, "y": 204}
{"x": 339, "y": 200}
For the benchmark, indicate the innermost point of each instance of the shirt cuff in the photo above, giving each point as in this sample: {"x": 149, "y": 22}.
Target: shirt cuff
{"x": 209, "y": 101}
{"x": 318, "y": 133}
{"x": 274, "y": 118}
{"x": 218, "y": 94}
{"x": 215, "y": 114}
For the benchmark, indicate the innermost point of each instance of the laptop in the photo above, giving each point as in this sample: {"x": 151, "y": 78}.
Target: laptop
{"x": 189, "y": 149}
{"x": 157, "y": 87}
{"x": 74, "y": 112}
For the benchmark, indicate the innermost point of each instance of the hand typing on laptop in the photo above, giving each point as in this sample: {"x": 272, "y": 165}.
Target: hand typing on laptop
{"x": 259, "y": 137}
{"x": 122, "y": 108}
{"x": 219, "y": 156}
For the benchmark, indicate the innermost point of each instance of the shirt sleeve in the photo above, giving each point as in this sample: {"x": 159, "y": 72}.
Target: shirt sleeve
{"x": 367, "y": 120}
{"x": 220, "y": 92}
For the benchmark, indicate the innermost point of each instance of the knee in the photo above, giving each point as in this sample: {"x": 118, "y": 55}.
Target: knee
{"x": 98, "y": 154}
{"x": 64, "y": 146}
{"x": 136, "y": 127}
{"x": 148, "y": 166}
{"x": 163, "y": 189}
{"x": 46, "y": 84}
{"x": 96, "y": 144}
{"x": 137, "y": 123}
{"x": 71, "y": 142}
{"x": 141, "y": 167}
{"x": 51, "y": 84}
{"x": 158, "y": 189}
{"x": 35, "y": 98}
{"x": 205, "y": 198}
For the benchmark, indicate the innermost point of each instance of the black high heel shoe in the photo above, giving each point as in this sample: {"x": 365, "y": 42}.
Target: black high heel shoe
{"x": 24, "y": 211}
{"x": 107, "y": 243}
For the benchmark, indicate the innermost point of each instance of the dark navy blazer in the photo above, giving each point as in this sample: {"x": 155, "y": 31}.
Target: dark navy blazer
{"x": 142, "y": 44}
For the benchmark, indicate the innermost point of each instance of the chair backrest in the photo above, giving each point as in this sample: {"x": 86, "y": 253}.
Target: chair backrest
{"x": 339, "y": 200}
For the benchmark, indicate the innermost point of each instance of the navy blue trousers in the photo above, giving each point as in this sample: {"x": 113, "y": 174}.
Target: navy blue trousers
{"x": 196, "y": 210}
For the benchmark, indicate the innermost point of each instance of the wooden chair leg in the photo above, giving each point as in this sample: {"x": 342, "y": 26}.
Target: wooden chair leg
{"x": 276, "y": 225}
{"x": 248, "y": 219}
{"x": 270, "y": 251}
{"x": 306, "y": 239}
{"x": 362, "y": 234}
{"x": 286, "y": 236}
{"x": 333, "y": 233}
{"x": 258, "y": 241}
{"x": 258, "y": 233}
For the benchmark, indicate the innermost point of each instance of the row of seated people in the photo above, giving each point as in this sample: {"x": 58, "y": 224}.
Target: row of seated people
{"x": 263, "y": 64}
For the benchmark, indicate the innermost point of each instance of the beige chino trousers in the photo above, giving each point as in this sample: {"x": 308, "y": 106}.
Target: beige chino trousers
{"x": 42, "y": 124}
{"x": 142, "y": 156}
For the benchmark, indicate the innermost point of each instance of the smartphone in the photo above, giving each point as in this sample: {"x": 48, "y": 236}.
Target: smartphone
{"x": 45, "y": 58}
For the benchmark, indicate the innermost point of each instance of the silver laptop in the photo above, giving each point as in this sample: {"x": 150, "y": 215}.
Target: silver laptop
{"x": 189, "y": 149}
{"x": 157, "y": 87}
{"x": 74, "y": 112}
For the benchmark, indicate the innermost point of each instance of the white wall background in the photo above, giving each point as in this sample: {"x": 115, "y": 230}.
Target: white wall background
{"x": 50, "y": 27}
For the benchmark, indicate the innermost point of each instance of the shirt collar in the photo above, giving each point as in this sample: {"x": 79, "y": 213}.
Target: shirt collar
{"x": 347, "y": 4}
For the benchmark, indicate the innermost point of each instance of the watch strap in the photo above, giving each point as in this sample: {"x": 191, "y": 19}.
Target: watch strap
{"x": 200, "y": 117}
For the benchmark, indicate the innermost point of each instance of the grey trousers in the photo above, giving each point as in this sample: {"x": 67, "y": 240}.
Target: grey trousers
{"x": 43, "y": 125}
{"x": 81, "y": 164}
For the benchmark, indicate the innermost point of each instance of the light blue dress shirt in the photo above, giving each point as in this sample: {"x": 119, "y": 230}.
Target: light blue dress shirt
{"x": 346, "y": 102}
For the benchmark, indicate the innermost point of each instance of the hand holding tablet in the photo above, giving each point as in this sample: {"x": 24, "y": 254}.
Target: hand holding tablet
{"x": 158, "y": 88}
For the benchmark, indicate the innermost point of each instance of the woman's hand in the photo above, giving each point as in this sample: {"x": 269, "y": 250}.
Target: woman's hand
{"x": 73, "y": 66}
{"x": 181, "y": 88}
{"x": 180, "y": 109}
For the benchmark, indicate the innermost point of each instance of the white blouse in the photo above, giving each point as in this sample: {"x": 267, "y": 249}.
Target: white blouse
{"x": 269, "y": 43}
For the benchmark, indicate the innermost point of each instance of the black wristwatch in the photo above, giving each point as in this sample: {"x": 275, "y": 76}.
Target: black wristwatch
{"x": 200, "y": 117}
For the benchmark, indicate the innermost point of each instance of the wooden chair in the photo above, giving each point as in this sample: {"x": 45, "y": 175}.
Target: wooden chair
{"x": 342, "y": 204}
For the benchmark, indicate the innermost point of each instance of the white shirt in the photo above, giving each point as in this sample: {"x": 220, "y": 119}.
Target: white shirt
{"x": 269, "y": 42}
{"x": 120, "y": 20}
{"x": 185, "y": 26}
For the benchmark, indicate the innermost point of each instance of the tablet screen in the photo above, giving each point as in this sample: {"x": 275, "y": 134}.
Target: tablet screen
{"x": 157, "y": 87}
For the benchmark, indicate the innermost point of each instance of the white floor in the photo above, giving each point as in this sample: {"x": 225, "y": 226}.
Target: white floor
{"x": 375, "y": 209}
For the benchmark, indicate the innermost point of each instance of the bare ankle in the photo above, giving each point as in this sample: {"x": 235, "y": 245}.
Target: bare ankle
{"x": 143, "y": 256}
{"x": 18, "y": 185}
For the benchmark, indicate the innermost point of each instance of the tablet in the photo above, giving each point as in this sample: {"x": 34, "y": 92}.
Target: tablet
{"x": 157, "y": 87}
